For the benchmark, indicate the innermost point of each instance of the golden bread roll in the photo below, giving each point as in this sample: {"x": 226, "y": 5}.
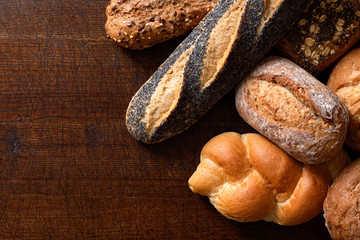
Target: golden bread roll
{"x": 344, "y": 80}
{"x": 248, "y": 178}
{"x": 342, "y": 204}
{"x": 293, "y": 109}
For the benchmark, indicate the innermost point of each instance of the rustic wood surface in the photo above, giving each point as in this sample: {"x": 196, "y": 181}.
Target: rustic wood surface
{"x": 68, "y": 167}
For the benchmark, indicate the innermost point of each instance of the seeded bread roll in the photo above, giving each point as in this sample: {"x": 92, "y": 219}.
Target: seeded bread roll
{"x": 248, "y": 178}
{"x": 326, "y": 31}
{"x": 217, "y": 54}
{"x": 344, "y": 80}
{"x": 139, "y": 24}
{"x": 342, "y": 204}
{"x": 293, "y": 109}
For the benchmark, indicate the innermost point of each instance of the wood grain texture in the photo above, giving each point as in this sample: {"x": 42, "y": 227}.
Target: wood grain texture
{"x": 68, "y": 167}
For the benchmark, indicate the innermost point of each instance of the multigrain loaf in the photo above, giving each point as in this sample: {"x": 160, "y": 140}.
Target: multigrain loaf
{"x": 217, "y": 54}
{"x": 344, "y": 80}
{"x": 342, "y": 204}
{"x": 248, "y": 178}
{"x": 293, "y": 109}
{"x": 326, "y": 31}
{"x": 139, "y": 24}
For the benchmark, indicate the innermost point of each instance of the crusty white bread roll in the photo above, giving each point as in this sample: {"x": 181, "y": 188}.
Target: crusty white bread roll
{"x": 342, "y": 204}
{"x": 248, "y": 178}
{"x": 344, "y": 80}
{"x": 293, "y": 109}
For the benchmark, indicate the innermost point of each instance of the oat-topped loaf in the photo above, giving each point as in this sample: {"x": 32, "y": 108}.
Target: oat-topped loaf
{"x": 327, "y": 29}
{"x": 139, "y": 24}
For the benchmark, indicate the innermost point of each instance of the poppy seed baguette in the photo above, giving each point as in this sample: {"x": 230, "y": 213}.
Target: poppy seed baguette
{"x": 217, "y": 54}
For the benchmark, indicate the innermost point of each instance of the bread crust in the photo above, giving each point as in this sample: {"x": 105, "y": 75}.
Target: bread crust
{"x": 248, "y": 178}
{"x": 341, "y": 206}
{"x": 326, "y": 31}
{"x": 293, "y": 109}
{"x": 207, "y": 65}
{"x": 139, "y": 24}
{"x": 344, "y": 80}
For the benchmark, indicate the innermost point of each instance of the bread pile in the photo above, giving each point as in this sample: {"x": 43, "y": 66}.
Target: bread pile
{"x": 304, "y": 122}
{"x": 283, "y": 173}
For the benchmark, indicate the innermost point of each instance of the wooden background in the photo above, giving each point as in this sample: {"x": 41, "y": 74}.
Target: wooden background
{"x": 68, "y": 167}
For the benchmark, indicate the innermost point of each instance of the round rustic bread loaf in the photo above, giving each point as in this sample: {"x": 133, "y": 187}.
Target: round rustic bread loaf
{"x": 344, "y": 80}
{"x": 342, "y": 204}
{"x": 248, "y": 178}
{"x": 293, "y": 109}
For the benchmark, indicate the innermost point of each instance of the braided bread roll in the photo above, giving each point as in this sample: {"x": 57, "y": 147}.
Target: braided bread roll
{"x": 248, "y": 178}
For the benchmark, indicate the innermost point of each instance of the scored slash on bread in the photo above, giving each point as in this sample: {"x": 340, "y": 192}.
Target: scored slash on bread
{"x": 139, "y": 24}
{"x": 216, "y": 55}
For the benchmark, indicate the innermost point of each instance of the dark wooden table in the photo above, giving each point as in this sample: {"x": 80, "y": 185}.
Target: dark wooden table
{"x": 68, "y": 167}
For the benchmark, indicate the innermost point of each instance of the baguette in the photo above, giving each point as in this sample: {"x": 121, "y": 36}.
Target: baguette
{"x": 216, "y": 55}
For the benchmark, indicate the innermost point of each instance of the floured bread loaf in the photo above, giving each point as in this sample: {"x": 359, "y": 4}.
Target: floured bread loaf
{"x": 293, "y": 109}
{"x": 344, "y": 80}
{"x": 326, "y": 30}
{"x": 248, "y": 178}
{"x": 139, "y": 24}
{"x": 217, "y": 54}
{"x": 342, "y": 204}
